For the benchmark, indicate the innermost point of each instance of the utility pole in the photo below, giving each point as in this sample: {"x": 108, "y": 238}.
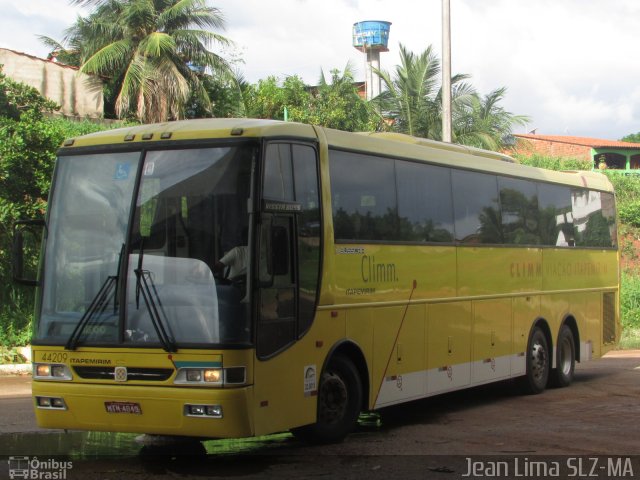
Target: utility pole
{"x": 446, "y": 71}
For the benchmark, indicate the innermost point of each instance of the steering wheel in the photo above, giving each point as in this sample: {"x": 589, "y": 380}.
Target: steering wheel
{"x": 223, "y": 277}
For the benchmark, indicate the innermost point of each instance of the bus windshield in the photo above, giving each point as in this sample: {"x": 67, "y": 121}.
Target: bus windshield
{"x": 152, "y": 276}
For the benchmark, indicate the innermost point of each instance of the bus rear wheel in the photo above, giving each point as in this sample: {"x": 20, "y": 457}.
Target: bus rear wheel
{"x": 339, "y": 403}
{"x": 562, "y": 375}
{"x": 537, "y": 376}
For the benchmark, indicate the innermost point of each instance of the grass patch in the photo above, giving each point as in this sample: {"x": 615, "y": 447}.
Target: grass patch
{"x": 630, "y": 310}
{"x": 630, "y": 339}
{"x": 630, "y": 300}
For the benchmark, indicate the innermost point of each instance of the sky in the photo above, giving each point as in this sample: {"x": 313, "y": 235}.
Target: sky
{"x": 571, "y": 66}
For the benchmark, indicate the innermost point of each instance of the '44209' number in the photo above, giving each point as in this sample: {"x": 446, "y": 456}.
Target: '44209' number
{"x": 54, "y": 357}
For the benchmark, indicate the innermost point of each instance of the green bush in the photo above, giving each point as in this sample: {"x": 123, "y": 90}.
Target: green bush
{"x": 15, "y": 328}
{"x": 554, "y": 163}
{"x": 630, "y": 300}
{"x": 629, "y": 212}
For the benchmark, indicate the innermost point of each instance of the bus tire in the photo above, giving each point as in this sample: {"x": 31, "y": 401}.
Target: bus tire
{"x": 537, "y": 371}
{"x": 339, "y": 403}
{"x": 562, "y": 375}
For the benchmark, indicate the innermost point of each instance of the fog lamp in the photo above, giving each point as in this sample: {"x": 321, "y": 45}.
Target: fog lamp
{"x": 197, "y": 410}
{"x": 214, "y": 411}
{"x": 203, "y": 411}
{"x": 51, "y": 403}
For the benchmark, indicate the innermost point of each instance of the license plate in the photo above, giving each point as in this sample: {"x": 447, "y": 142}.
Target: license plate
{"x": 123, "y": 407}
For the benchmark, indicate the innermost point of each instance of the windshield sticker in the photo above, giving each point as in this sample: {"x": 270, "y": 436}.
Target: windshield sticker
{"x": 149, "y": 167}
{"x": 122, "y": 171}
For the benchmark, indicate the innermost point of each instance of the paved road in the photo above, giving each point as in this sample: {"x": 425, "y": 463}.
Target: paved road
{"x": 16, "y": 411}
{"x": 598, "y": 415}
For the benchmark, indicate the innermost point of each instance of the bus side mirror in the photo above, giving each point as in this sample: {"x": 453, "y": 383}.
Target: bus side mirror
{"x": 27, "y": 235}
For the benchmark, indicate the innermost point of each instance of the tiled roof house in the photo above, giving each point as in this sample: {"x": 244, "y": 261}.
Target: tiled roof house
{"x": 617, "y": 155}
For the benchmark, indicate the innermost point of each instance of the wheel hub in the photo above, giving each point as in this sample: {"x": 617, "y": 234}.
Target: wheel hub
{"x": 333, "y": 399}
{"x": 538, "y": 361}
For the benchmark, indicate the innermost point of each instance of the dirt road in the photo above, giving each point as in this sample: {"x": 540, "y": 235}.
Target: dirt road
{"x": 598, "y": 416}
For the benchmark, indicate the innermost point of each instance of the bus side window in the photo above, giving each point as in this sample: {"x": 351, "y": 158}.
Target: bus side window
{"x": 305, "y": 172}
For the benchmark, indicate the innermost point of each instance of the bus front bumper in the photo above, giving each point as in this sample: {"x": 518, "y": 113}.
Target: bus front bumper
{"x": 198, "y": 412}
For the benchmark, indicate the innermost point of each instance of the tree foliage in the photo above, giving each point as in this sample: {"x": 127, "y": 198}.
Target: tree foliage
{"x": 270, "y": 97}
{"x": 409, "y": 98}
{"x": 482, "y": 122}
{"x": 154, "y": 53}
{"x": 337, "y": 104}
{"x": 227, "y": 98}
{"x": 332, "y": 104}
{"x": 632, "y": 138}
{"x": 412, "y": 101}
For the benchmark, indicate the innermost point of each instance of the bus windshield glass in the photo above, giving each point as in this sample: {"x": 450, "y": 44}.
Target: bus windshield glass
{"x": 164, "y": 285}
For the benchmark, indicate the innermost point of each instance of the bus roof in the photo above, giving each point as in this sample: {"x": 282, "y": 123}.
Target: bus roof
{"x": 386, "y": 143}
{"x": 200, "y": 129}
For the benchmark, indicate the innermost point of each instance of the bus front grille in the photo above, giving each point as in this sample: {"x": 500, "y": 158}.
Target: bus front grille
{"x": 133, "y": 373}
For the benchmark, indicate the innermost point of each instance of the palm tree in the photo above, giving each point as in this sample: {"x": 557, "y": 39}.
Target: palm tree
{"x": 413, "y": 102}
{"x": 412, "y": 98}
{"x": 481, "y": 122}
{"x": 155, "y": 53}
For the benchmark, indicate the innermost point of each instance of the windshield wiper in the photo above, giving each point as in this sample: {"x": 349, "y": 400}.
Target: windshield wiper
{"x": 154, "y": 307}
{"x": 98, "y": 305}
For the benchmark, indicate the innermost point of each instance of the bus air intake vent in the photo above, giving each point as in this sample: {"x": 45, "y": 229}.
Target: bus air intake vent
{"x": 133, "y": 373}
{"x": 608, "y": 318}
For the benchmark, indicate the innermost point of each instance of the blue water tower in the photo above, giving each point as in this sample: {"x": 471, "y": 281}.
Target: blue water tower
{"x": 371, "y": 34}
{"x": 372, "y": 37}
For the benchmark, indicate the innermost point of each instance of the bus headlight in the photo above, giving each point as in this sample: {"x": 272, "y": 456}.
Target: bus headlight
{"x": 194, "y": 375}
{"x": 211, "y": 376}
{"x": 48, "y": 371}
{"x": 200, "y": 375}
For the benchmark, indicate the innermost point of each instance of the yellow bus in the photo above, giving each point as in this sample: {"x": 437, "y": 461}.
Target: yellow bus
{"x": 233, "y": 277}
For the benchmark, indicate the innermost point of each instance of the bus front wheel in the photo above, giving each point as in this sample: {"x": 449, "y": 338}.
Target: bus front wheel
{"x": 339, "y": 403}
{"x": 562, "y": 376}
{"x": 537, "y": 376}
